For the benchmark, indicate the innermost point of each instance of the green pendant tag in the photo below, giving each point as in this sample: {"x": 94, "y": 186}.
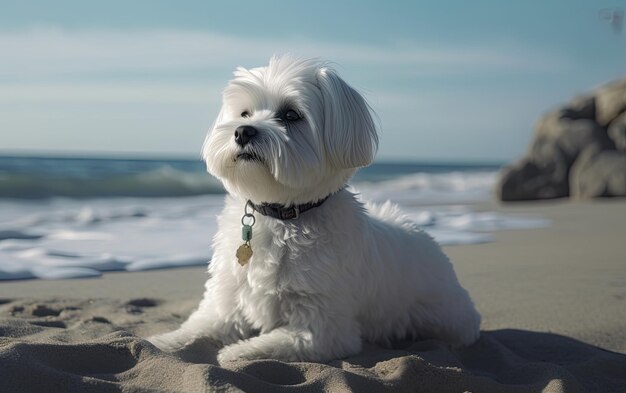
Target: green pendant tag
{"x": 246, "y": 233}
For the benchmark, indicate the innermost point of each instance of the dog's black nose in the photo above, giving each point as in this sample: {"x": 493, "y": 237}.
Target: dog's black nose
{"x": 243, "y": 135}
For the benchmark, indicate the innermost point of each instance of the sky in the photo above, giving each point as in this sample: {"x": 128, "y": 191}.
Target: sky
{"x": 450, "y": 81}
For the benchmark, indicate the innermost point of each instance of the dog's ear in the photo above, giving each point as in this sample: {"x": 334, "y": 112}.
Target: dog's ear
{"x": 349, "y": 131}
{"x": 206, "y": 152}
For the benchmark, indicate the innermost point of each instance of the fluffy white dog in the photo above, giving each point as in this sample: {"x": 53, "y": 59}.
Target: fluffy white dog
{"x": 321, "y": 270}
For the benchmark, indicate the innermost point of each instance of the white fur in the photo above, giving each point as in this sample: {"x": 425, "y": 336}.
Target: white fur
{"x": 342, "y": 272}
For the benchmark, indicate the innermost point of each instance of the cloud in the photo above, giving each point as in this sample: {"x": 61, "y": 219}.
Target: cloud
{"x": 57, "y": 52}
{"x": 109, "y": 92}
{"x": 59, "y": 65}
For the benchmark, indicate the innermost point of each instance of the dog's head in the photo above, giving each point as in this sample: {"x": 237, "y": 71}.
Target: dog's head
{"x": 291, "y": 132}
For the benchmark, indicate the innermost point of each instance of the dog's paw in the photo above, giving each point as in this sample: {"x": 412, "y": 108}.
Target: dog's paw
{"x": 168, "y": 342}
{"x": 227, "y": 354}
{"x": 239, "y": 351}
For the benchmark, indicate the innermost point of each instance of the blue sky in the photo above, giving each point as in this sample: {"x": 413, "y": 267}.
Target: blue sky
{"x": 449, "y": 80}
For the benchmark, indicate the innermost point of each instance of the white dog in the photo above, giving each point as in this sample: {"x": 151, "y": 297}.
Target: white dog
{"x": 326, "y": 270}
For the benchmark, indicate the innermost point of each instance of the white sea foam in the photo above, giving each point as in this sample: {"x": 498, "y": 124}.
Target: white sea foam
{"x": 67, "y": 238}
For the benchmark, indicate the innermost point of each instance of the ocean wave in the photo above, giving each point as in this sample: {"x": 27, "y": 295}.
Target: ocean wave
{"x": 451, "y": 181}
{"x": 439, "y": 188}
{"x": 162, "y": 182}
{"x": 6, "y": 234}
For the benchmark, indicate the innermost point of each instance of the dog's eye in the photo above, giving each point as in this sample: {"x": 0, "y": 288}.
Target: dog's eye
{"x": 291, "y": 115}
{"x": 245, "y": 114}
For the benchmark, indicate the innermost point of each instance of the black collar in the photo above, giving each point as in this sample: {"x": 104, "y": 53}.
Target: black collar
{"x": 282, "y": 212}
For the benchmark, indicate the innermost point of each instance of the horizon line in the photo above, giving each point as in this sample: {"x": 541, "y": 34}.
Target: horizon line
{"x": 163, "y": 156}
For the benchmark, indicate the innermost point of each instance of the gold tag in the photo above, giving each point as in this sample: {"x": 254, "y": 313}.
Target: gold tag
{"x": 244, "y": 253}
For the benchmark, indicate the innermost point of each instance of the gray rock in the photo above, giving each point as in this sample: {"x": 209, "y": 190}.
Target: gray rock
{"x": 580, "y": 108}
{"x": 577, "y": 150}
{"x": 564, "y": 137}
{"x": 599, "y": 173}
{"x": 527, "y": 181}
{"x": 610, "y": 102}
{"x": 617, "y": 132}
{"x": 544, "y": 173}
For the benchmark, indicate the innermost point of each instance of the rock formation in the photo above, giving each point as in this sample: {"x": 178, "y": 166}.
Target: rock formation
{"x": 578, "y": 150}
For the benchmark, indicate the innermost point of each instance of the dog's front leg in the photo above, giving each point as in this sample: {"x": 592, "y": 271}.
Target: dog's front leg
{"x": 223, "y": 327}
{"x": 320, "y": 342}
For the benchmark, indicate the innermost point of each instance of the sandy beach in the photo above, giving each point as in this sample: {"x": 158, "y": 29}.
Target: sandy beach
{"x": 553, "y": 302}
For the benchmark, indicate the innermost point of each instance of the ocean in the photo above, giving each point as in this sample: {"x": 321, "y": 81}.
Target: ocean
{"x": 80, "y": 217}
{"x": 46, "y": 177}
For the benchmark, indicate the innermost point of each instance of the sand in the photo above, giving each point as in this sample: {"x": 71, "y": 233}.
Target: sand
{"x": 553, "y": 302}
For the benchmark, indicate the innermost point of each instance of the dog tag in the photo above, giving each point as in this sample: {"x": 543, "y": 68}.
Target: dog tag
{"x": 244, "y": 253}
